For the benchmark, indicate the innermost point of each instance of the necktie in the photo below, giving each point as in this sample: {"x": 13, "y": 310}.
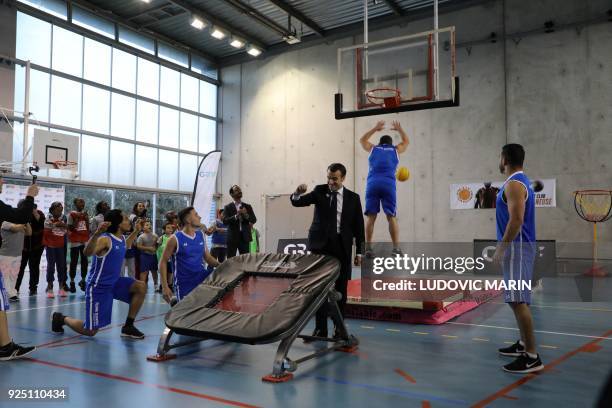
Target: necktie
{"x": 333, "y": 206}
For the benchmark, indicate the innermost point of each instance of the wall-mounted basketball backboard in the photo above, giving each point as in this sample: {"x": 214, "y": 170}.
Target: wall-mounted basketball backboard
{"x": 398, "y": 74}
{"x": 57, "y": 154}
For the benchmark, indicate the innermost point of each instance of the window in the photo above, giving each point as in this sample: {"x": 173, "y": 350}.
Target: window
{"x": 124, "y": 71}
{"x": 96, "y": 106}
{"x": 203, "y": 67}
{"x": 146, "y": 122}
{"x": 208, "y": 98}
{"x": 125, "y": 200}
{"x": 170, "y": 86}
{"x": 91, "y": 22}
{"x": 122, "y": 163}
{"x": 168, "y": 170}
{"x": 146, "y": 166}
{"x": 148, "y": 79}
{"x": 208, "y": 136}
{"x": 189, "y": 93}
{"x": 67, "y": 52}
{"x": 39, "y": 93}
{"x": 169, "y": 202}
{"x": 33, "y": 40}
{"x": 136, "y": 40}
{"x": 94, "y": 159}
{"x": 54, "y": 7}
{"x": 91, "y": 196}
{"x": 189, "y": 132}
{"x": 122, "y": 116}
{"x": 168, "y": 127}
{"x": 172, "y": 54}
{"x": 65, "y": 102}
{"x": 187, "y": 172}
{"x": 97, "y": 62}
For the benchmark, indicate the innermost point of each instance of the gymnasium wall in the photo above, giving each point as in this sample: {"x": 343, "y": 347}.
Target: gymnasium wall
{"x": 550, "y": 92}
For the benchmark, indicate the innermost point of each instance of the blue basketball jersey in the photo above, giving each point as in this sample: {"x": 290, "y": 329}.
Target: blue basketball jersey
{"x": 189, "y": 263}
{"x": 105, "y": 270}
{"x": 502, "y": 215}
{"x": 383, "y": 161}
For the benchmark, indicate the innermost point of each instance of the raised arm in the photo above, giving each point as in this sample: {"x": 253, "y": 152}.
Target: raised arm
{"x": 365, "y": 139}
{"x": 403, "y": 145}
{"x": 132, "y": 237}
{"x": 95, "y": 245}
{"x": 299, "y": 199}
{"x": 20, "y": 215}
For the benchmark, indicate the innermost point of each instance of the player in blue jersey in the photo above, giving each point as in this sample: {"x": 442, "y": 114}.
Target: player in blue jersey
{"x": 516, "y": 237}
{"x": 189, "y": 249}
{"x": 381, "y": 184}
{"x": 104, "y": 282}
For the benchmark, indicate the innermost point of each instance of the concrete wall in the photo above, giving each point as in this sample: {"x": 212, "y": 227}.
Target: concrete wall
{"x": 8, "y": 20}
{"x": 550, "y": 92}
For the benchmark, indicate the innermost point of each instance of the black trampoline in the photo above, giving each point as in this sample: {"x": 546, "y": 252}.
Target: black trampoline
{"x": 259, "y": 299}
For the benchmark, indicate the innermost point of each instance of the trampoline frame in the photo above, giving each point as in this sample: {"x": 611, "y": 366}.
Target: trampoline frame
{"x": 283, "y": 366}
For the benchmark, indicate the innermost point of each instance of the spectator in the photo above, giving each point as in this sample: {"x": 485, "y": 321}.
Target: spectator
{"x": 10, "y": 253}
{"x": 78, "y": 234}
{"x": 169, "y": 230}
{"x": 239, "y": 217}
{"x": 219, "y": 238}
{"x": 146, "y": 243}
{"x": 101, "y": 208}
{"x": 54, "y": 241}
{"x": 32, "y": 251}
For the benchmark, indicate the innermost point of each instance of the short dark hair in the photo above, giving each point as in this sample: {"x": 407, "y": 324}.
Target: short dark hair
{"x": 183, "y": 214}
{"x": 77, "y": 199}
{"x": 166, "y": 224}
{"x": 334, "y": 167}
{"x": 386, "y": 139}
{"x": 115, "y": 217}
{"x": 514, "y": 154}
{"x": 54, "y": 205}
{"x": 99, "y": 207}
{"x": 231, "y": 190}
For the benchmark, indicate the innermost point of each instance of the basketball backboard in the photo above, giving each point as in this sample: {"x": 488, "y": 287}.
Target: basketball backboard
{"x": 397, "y": 74}
{"x": 51, "y": 150}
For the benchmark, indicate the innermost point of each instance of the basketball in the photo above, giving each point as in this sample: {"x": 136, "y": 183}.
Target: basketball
{"x": 537, "y": 186}
{"x": 402, "y": 174}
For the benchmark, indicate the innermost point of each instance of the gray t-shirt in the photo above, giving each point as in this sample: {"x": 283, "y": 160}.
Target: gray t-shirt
{"x": 147, "y": 239}
{"x": 12, "y": 242}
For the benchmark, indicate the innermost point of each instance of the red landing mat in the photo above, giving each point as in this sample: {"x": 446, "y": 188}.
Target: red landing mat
{"x": 438, "y": 308}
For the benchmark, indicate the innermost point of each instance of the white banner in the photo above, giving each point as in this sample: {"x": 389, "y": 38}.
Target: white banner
{"x": 12, "y": 193}
{"x": 483, "y": 195}
{"x": 204, "y": 188}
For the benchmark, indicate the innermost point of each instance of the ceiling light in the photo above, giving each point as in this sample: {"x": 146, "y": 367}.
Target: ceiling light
{"x": 218, "y": 33}
{"x": 198, "y": 23}
{"x": 292, "y": 39}
{"x": 146, "y": 1}
{"x": 254, "y": 51}
{"x": 237, "y": 42}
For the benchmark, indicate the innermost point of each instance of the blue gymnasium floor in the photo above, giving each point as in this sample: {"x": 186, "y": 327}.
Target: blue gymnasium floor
{"x": 397, "y": 365}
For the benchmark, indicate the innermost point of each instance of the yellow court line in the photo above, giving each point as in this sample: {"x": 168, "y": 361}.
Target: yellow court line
{"x": 509, "y": 342}
{"x": 450, "y": 337}
{"x": 423, "y": 333}
{"x": 392, "y": 330}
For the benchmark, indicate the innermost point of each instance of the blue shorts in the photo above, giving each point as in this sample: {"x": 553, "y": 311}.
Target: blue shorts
{"x": 148, "y": 262}
{"x": 517, "y": 268}
{"x": 381, "y": 190}
{"x": 4, "y": 302}
{"x": 99, "y": 302}
{"x": 183, "y": 287}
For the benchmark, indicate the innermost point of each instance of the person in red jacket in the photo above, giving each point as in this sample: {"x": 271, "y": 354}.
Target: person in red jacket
{"x": 54, "y": 240}
{"x": 78, "y": 235}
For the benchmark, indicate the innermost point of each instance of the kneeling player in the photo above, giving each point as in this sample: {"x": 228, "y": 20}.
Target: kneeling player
{"x": 104, "y": 281}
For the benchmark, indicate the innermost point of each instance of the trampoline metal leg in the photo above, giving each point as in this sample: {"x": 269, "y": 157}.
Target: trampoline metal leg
{"x": 163, "y": 347}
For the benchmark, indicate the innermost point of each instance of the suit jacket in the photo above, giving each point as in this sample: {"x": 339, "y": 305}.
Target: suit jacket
{"x": 238, "y": 230}
{"x": 351, "y": 221}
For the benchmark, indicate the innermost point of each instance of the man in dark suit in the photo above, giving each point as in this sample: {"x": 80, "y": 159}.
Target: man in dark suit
{"x": 338, "y": 219}
{"x": 238, "y": 217}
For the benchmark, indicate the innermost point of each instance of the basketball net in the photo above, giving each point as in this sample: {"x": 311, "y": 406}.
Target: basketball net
{"x": 594, "y": 206}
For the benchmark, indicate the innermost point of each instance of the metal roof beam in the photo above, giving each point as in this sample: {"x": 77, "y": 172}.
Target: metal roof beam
{"x": 394, "y": 7}
{"x": 298, "y": 15}
{"x": 259, "y": 17}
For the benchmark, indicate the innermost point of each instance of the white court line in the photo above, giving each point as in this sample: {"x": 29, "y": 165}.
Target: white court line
{"x": 582, "y": 309}
{"x": 393, "y": 330}
{"x": 535, "y": 331}
{"x": 45, "y": 307}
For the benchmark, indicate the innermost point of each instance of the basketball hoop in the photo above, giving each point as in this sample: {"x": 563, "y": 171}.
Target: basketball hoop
{"x": 385, "y": 97}
{"x": 65, "y": 165}
{"x": 594, "y": 206}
